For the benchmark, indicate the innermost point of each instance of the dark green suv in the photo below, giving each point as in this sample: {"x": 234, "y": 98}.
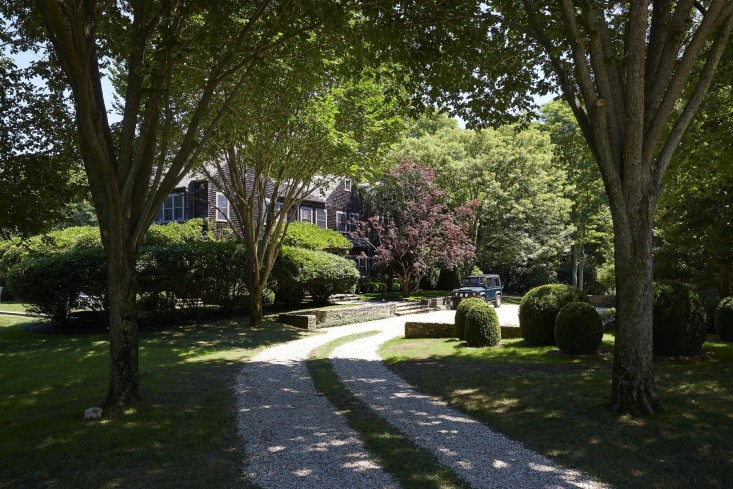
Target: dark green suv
{"x": 487, "y": 287}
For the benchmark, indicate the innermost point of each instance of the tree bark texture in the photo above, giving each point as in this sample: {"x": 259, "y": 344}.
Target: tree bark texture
{"x": 124, "y": 376}
{"x": 633, "y": 383}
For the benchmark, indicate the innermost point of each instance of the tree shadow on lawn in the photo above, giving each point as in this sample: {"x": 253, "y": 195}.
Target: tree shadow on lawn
{"x": 561, "y": 410}
{"x": 185, "y": 423}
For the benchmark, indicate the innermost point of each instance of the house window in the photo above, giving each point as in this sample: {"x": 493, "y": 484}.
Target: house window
{"x": 341, "y": 221}
{"x": 278, "y": 208}
{"x": 321, "y": 218}
{"x": 347, "y": 184}
{"x": 351, "y": 225}
{"x": 364, "y": 263}
{"x": 222, "y": 207}
{"x": 172, "y": 209}
{"x": 306, "y": 214}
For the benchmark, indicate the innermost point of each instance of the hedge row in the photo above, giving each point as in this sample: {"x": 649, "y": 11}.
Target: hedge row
{"x": 174, "y": 276}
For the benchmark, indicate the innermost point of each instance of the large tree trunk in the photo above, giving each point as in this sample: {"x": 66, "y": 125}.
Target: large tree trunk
{"x": 633, "y": 389}
{"x": 124, "y": 377}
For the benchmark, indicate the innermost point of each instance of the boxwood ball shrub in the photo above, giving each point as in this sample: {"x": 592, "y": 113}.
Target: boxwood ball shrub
{"x": 482, "y": 326}
{"x": 679, "y": 319}
{"x": 724, "y": 319}
{"x": 578, "y": 329}
{"x": 460, "y": 319}
{"x": 539, "y": 308}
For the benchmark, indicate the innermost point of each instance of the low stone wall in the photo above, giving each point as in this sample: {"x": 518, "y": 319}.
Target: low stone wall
{"x": 439, "y": 302}
{"x": 429, "y": 330}
{"x": 329, "y": 317}
{"x": 448, "y": 330}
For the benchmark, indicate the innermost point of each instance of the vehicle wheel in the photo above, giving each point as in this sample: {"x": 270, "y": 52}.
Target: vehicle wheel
{"x": 497, "y": 301}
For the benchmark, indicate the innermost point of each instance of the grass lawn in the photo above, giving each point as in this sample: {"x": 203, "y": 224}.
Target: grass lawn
{"x": 12, "y": 306}
{"x": 557, "y": 405}
{"x": 183, "y": 435}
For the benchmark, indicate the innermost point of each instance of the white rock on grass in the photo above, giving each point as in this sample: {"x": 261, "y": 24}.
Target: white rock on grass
{"x": 93, "y": 413}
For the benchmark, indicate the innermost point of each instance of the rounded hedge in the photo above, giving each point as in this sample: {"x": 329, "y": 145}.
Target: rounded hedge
{"x": 724, "y": 319}
{"x": 539, "y": 308}
{"x": 679, "y": 319}
{"x": 461, "y": 311}
{"x": 578, "y": 329}
{"x": 298, "y": 270}
{"x": 482, "y": 326}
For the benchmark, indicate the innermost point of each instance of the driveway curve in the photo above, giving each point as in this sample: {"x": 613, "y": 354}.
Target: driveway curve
{"x": 293, "y": 438}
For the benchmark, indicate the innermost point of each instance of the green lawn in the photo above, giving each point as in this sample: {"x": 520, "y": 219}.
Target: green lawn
{"x": 557, "y": 405}
{"x": 183, "y": 435}
{"x": 12, "y": 306}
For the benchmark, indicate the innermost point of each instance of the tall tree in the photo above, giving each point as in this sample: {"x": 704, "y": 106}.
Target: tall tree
{"x": 590, "y": 214}
{"x": 622, "y": 68}
{"x": 522, "y": 219}
{"x": 40, "y": 168}
{"x": 168, "y": 59}
{"x": 319, "y": 128}
{"x": 412, "y": 229}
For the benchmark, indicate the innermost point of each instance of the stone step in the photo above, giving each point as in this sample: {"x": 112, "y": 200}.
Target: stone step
{"x": 412, "y": 308}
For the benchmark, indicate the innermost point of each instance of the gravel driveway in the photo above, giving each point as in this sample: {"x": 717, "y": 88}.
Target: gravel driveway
{"x": 293, "y": 438}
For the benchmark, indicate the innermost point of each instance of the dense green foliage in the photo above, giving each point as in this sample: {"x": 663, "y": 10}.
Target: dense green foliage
{"x": 190, "y": 273}
{"x": 312, "y": 237}
{"x": 482, "y": 326}
{"x": 51, "y": 285}
{"x": 461, "y": 312}
{"x": 539, "y": 309}
{"x": 522, "y": 227}
{"x": 724, "y": 319}
{"x": 578, "y": 329}
{"x": 297, "y": 271}
{"x": 14, "y": 250}
{"x": 679, "y": 319}
{"x": 373, "y": 287}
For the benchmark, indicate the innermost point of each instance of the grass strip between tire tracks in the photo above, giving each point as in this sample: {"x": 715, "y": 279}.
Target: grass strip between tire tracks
{"x": 412, "y": 466}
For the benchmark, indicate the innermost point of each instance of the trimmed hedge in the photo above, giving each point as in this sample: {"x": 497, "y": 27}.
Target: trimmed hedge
{"x": 461, "y": 311}
{"x": 482, "y": 326}
{"x": 724, "y": 319}
{"x": 191, "y": 273}
{"x": 679, "y": 319}
{"x": 373, "y": 287}
{"x": 51, "y": 285}
{"x": 578, "y": 329}
{"x": 312, "y": 237}
{"x": 539, "y": 309}
{"x": 298, "y": 270}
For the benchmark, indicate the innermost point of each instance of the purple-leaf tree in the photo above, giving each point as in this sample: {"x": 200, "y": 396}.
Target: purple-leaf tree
{"x": 412, "y": 228}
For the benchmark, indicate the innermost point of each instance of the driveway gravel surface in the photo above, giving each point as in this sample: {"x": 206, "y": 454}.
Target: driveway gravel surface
{"x": 293, "y": 438}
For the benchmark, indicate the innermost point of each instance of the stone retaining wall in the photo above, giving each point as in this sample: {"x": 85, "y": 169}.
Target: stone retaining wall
{"x": 447, "y": 330}
{"x": 326, "y": 317}
{"x": 429, "y": 330}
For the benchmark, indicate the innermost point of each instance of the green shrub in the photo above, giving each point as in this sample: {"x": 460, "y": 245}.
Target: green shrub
{"x": 679, "y": 319}
{"x": 539, "y": 308}
{"x": 191, "y": 231}
{"x": 191, "y": 273}
{"x": 51, "y": 285}
{"x": 298, "y": 270}
{"x": 15, "y": 250}
{"x": 578, "y": 329}
{"x": 461, "y": 311}
{"x": 482, "y": 326}
{"x": 373, "y": 287}
{"x": 724, "y": 319}
{"x": 312, "y": 237}
{"x": 711, "y": 305}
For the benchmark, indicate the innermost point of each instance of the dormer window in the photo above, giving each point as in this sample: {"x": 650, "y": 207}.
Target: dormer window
{"x": 347, "y": 184}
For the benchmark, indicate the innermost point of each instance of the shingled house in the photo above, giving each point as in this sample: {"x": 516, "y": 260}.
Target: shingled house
{"x": 335, "y": 206}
